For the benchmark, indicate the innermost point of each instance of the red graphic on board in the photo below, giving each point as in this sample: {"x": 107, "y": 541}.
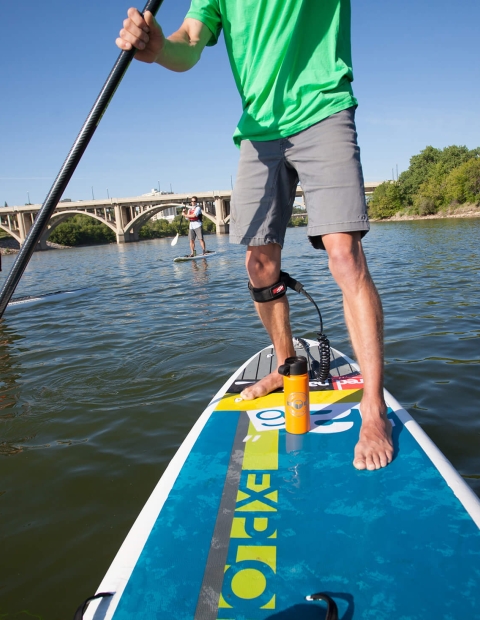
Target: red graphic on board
{"x": 348, "y": 382}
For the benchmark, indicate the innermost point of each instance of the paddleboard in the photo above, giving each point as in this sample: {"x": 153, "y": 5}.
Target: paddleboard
{"x": 247, "y": 520}
{"x": 180, "y": 259}
{"x": 32, "y": 300}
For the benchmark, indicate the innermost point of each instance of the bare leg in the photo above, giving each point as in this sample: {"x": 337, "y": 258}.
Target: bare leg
{"x": 192, "y": 247}
{"x": 263, "y": 267}
{"x": 364, "y": 318}
{"x": 202, "y": 243}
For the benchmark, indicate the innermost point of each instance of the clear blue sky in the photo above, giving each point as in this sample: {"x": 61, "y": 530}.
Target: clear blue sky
{"x": 417, "y": 78}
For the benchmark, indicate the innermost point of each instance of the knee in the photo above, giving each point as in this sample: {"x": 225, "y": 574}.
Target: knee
{"x": 347, "y": 264}
{"x": 263, "y": 269}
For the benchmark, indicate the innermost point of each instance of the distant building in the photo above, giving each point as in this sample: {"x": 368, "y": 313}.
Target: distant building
{"x": 167, "y": 214}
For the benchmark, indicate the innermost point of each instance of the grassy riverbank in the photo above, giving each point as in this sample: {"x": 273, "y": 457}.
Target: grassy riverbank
{"x": 460, "y": 211}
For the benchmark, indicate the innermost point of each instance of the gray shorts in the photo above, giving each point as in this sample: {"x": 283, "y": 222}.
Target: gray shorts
{"x": 325, "y": 159}
{"x": 196, "y": 233}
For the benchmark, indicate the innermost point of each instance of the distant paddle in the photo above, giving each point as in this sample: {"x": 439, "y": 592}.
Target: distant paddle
{"x": 68, "y": 168}
{"x": 174, "y": 240}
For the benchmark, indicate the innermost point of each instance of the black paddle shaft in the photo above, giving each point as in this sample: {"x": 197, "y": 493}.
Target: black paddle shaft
{"x": 68, "y": 168}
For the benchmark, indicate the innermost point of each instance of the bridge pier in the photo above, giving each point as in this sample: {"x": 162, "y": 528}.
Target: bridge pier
{"x": 222, "y": 212}
{"x": 41, "y": 244}
{"x": 25, "y": 223}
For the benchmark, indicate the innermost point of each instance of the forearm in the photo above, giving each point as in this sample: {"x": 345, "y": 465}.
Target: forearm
{"x": 180, "y": 52}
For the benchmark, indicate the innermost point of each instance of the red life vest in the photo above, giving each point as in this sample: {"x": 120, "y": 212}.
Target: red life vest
{"x": 194, "y": 218}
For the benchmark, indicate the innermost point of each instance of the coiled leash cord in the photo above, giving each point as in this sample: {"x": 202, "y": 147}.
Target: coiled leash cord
{"x": 321, "y": 370}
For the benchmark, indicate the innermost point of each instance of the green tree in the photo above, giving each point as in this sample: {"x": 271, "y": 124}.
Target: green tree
{"x": 208, "y": 225}
{"x": 429, "y": 167}
{"x": 82, "y": 230}
{"x": 180, "y": 225}
{"x": 430, "y": 196}
{"x": 463, "y": 183}
{"x": 417, "y": 173}
{"x": 156, "y": 229}
{"x": 386, "y": 201}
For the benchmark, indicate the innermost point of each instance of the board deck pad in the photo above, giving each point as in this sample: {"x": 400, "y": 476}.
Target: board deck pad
{"x": 258, "y": 519}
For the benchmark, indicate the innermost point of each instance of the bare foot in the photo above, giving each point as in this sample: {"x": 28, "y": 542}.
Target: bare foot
{"x": 374, "y": 449}
{"x": 268, "y": 384}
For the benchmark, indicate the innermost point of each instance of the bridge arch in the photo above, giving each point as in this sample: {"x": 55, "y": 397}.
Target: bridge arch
{"x": 11, "y": 233}
{"x": 59, "y": 217}
{"x": 134, "y": 225}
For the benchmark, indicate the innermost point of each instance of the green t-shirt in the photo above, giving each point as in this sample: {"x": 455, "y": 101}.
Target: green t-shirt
{"x": 291, "y": 60}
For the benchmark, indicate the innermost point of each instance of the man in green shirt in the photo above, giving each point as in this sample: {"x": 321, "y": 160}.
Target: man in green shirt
{"x": 291, "y": 62}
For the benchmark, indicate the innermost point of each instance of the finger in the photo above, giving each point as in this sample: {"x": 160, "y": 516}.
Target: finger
{"x": 137, "y": 31}
{"x": 154, "y": 27}
{"x": 137, "y": 40}
{"x": 137, "y": 18}
{"x": 150, "y": 20}
{"x": 123, "y": 45}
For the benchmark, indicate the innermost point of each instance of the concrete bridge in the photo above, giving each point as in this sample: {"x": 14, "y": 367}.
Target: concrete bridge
{"x": 124, "y": 216}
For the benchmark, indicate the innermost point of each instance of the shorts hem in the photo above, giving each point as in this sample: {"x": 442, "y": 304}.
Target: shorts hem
{"x": 345, "y": 227}
{"x": 254, "y": 241}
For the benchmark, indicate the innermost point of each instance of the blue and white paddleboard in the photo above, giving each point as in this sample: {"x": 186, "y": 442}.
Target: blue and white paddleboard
{"x": 181, "y": 259}
{"x": 32, "y": 300}
{"x": 247, "y": 521}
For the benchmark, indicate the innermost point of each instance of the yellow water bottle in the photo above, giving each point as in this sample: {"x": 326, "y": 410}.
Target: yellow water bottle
{"x": 297, "y": 402}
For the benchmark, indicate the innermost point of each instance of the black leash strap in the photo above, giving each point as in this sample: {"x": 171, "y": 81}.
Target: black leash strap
{"x": 83, "y": 607}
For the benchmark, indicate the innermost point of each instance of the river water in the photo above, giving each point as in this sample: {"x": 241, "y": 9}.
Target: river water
{"x": 99, "y": 391}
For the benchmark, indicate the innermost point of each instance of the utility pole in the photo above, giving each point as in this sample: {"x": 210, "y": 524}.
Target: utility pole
{"x": 159, "y": 187}
{"x": 93, "y": 197}
{"x": 108, "y": 195}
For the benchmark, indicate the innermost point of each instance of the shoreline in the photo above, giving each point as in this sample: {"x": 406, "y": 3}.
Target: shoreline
{"x": 8, "y": 246}
{"x": 466, "y": 211}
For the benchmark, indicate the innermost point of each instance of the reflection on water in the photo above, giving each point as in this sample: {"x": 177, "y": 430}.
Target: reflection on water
{"x": 10, "y": 372}
{"x": 99, "y": 391}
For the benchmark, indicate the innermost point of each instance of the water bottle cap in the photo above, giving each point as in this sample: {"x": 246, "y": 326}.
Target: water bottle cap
{"x": 294, "y": 366}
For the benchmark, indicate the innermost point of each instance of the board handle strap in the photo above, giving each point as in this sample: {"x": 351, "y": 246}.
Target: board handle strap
{"x": 83, "y": 607}
{"x": 332, "y": 609}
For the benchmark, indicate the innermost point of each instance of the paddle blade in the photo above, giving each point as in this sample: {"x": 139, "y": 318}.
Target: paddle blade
{"x": 174, "y": 240}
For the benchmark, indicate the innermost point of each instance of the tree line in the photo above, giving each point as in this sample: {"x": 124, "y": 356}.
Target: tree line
{"x": 85, "y": 230}
{"x": 437, "y": 180}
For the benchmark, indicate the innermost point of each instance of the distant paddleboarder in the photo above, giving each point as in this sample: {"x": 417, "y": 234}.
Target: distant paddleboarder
{"x": 195, "y": 217}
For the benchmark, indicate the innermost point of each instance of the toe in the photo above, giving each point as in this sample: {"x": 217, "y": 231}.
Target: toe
{"x": 246, "y": 395}
{"x": 359, "y": 462}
